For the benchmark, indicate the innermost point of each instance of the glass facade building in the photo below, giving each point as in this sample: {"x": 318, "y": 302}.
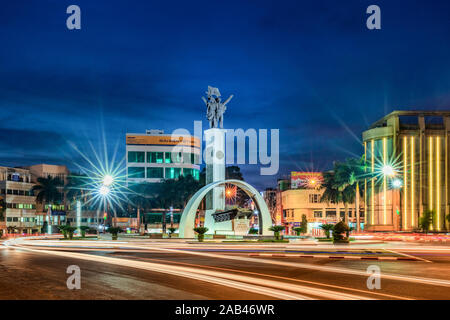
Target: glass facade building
{"x": 155, "y": 156}
{"x": 415, "y": 144}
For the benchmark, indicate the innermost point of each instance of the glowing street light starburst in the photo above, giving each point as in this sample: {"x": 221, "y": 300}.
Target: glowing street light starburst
{"x": 104, "y": 180}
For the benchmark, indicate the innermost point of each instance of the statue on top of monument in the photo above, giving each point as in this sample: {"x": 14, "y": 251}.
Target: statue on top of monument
{"x": 215, "y": 107}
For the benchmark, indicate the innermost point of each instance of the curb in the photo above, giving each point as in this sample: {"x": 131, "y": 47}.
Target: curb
{"x": 275, "y": 255}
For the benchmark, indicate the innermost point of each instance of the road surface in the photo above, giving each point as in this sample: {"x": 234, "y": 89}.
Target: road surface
{"x": 127, "y": 269}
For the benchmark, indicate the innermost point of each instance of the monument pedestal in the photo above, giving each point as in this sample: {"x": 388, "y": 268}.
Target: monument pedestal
{"x": 215, "y": 171}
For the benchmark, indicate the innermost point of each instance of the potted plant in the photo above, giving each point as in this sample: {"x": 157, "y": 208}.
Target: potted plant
{"x": 201, "y": 233}
{"x": 114, "y": 232}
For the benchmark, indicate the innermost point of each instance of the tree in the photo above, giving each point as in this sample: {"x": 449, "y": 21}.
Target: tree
{"x": 339, "y": 230}
{"x": 114, "y": 232}
{"x": 331, "y": 193}
{"x": 304, "y": 224}
{"x": 48, "y": 191}
{"x": 83, "y": 230}
{"x": 448, "y": 218}
{"x": 171, "y": 230}
{"x": 348, "y": 175}
{"x": 201, "y": 233}
{"x": 141, "y": 198}
{"x": 276, "y": 230}
{"x": 67, "y": 231}
{"x": 62, "y": 229}
{"x": 70, "y": 230}
{"x": 426, "y": 220}
{"x": 327, "y": 228}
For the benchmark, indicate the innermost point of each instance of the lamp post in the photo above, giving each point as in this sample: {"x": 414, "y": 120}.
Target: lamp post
{"x": 104, "y": 190}
{"x": 397, "y": 184}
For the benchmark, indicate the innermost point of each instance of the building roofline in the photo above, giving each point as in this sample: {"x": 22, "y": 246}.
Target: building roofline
{"x": 408, "y": 113}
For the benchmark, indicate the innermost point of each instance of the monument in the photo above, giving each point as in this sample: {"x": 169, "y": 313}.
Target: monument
{"x": 217, "y": 220}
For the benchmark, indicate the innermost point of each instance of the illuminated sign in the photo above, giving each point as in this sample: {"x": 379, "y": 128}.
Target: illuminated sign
{"x": 306, "y": 180}
{"x": 163, "y": 140}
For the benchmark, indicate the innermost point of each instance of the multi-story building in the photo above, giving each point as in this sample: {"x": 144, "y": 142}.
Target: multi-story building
{"x": 20, "y": 203}
{"x": 155, "y": 156}
{"x": 48, "y": 170}
{"x": 58, "y": 211}
{"x": 302, "y": 196}
{"x": 415, "y": 145}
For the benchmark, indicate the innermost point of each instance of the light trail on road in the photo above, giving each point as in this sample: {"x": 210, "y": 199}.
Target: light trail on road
{"x": 250, "y": 284}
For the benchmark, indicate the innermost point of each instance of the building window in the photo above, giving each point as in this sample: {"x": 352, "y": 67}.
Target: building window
{"x": 155, "y": 157}
{"x": 187, "y": 172}
{"x": 342, "y": 214}
{"x": 136, "y": 172}
{"x": 172, "y": 173}
{"x": 317, "y": 214}
{"x": 155, "y": 173}
{"x": 330, "y": 214}
{"x": 167, "y": 157}
{"x": 136, "y": 156}
{"x": 314, "y": 198}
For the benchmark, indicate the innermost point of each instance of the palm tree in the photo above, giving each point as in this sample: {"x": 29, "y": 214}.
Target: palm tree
{"x": 141, "y": 199}
{"x": 327, "y": 228}
{"x": 276, "y": 230}
{"x": 348, "y": 175}
{"x": 201, "y": 233}
{"x": 48, "y": 191}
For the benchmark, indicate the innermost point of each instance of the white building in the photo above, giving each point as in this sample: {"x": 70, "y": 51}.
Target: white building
{"x": 155, "y": 156}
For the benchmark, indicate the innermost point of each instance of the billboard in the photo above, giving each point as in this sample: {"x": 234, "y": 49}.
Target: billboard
{"x": 166, "y": 140}
{"x": 306, "y": 180}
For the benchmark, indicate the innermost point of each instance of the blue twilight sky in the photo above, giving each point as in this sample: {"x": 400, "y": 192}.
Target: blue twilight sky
{"x": 310, "y": 68}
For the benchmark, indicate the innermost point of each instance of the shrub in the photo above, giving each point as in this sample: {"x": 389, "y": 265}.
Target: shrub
{"x": 327, "y": 228}
{"x": 201, "y": 233}
{"x": 70, "y": 230}
{"x": 62, "y": 229}
{"x": 253, "y": 231}
{"x": 171, "y": 230}
{"x": 276, "y": 230}
{"x": 426, "y": 220}
{"x": 114, "y": 232}
{"x": 339, "y": 230}
{"x": 83, "y": 230}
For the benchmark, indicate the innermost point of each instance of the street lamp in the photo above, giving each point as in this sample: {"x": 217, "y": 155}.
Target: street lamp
{"x": 108, "y": 180}
{"x": 397, "y": 183}
{"x": 104, "y": 190}
{"x": 388, "y": 171}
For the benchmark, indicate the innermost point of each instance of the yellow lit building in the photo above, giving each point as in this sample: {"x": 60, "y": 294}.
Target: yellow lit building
{"x": 415, "y": 144}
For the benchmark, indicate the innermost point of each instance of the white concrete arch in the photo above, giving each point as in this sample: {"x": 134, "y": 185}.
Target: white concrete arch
{"x": 188, "y": 217}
